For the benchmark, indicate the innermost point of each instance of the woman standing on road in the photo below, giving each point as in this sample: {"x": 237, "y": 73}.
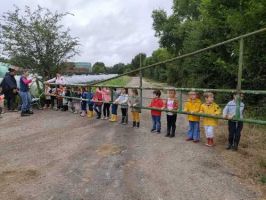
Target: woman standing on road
{"x": 25, "y": 94}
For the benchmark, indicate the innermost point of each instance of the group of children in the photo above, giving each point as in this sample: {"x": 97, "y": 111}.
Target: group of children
{"x": 194, "y": 106}
{"x": 100, "y": 101}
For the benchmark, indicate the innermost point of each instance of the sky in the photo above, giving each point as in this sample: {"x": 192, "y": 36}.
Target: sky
{"x": 110, "y": 31}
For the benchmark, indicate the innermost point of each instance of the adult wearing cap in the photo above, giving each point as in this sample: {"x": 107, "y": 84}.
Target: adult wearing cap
{"x": 10, "y": 89}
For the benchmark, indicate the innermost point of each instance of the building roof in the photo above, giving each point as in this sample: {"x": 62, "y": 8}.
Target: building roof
{"x": 82, "y": 65}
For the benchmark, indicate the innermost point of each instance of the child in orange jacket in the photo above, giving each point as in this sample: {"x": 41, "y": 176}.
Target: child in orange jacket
{"x": 210, "y": 108}
{"x": 157, "y": 103}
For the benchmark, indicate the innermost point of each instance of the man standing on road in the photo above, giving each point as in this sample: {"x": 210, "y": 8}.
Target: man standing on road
{"x": 10, "y": 90}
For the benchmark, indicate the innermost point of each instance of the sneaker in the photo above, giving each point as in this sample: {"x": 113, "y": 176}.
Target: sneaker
{"x": 158, "y": 132}
{"x": 189, "y": 139}
{"x": 24, "y": 114}
{"x": 196, "y": 141}
{"x": 153, "y": 130}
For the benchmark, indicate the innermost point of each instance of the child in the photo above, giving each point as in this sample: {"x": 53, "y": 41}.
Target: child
{"x": 98, "y": 102}
{"x": 53, "y": 98}
{"x": 60, "y": 90}
{"x": 116, "y": 94}
{"x": 83, "y": 102}
{"x": 90, "y": 104}
{"x": 210, "y": 108}
{"x": 65, "y": 94}
{"x": 171, "y": 104}
{"x": 193, "y": 106}
{"x": 157, "y": 103}
{"x": 47, "y": 93}
{"x": 123, "y": 101}
{"x": 134, "y": 103}
{"x": 76, "y": 102}
{"x": 234, "y": 127}
{"x": 106, "y": 105}
{"x": 70, "y": 104}
{"x": 2, "y": 97}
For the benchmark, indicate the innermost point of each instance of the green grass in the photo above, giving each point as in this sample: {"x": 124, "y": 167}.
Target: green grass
{"x": 120, "y": 82}
{"x": 263, "y": 179}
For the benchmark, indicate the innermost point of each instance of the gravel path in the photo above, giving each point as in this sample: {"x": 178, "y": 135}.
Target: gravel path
{"x": 54, "y": 155}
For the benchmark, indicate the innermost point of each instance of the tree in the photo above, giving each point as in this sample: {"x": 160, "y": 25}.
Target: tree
{"x": 118, "y": 68}
{"x": 196, "y": 24}
{"x": 37, "y": 40}
{"x": 98, "y": 68}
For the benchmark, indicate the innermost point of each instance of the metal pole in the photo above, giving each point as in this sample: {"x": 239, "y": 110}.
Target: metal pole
{"x": 239, "y": 77}
{"x": 140, "y": 80}
{"x": 180, "y": 109}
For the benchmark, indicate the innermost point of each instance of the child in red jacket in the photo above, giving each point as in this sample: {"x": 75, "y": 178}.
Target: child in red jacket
{"x": 157, "y": 103}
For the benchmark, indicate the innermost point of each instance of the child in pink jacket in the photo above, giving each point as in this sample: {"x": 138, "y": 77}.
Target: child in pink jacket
{"x": 106, "y": 105}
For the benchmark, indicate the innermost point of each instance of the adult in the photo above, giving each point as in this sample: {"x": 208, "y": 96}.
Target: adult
{"x": 57, "y": 80}
{"x": 10, "y": 89}
{"x": 25, "y": 94}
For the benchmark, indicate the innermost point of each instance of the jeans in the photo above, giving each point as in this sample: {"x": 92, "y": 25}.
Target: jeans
{"x": 194, "y": 130}
{"x": 114, "y": 109}
{"x": 84, "y": 105}
{"x": 98, "y": 110}
{"x": 106, "y": 109}
{"x": 26, "y": 101}
{"x": 171, "y": 124}
{"x": 235, "y": 129}
{"x": 156, "y": 123}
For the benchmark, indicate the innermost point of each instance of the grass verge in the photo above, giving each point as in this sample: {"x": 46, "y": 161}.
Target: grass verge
{"x": 120, "y": 82}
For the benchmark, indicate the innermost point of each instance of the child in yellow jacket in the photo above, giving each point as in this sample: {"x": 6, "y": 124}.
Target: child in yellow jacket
{"x": 210, "y": 108}
{"x": 193, "y": 106}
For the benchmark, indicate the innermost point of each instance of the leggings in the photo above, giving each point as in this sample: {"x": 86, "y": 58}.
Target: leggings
{"x": 106, "y": 109}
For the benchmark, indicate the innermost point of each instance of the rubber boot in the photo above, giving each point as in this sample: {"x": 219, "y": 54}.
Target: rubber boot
{"x": 172, "y": 134}
{"x": 112, "y": 118}
{"x": 89, "y": 114}
{"x": 115, "y": 118}
{"x": 137, "y": 124}
{"x": 168, "y": 133}
{"x": 134, "y": 124}
{"x": 235, "y": 147}
{"x": 29, "y": 112}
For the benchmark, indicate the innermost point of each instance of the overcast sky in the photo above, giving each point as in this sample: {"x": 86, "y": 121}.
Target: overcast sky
{"x": 110, "y": 31}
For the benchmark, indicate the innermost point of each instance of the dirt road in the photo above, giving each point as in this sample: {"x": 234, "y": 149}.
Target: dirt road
{"x": 54, "y": 155}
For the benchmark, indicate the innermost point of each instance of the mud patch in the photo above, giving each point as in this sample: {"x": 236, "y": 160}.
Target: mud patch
{"x": 109, "y": 150}
{"x": 18, "y": 176}
{"x": 211, "y": 165}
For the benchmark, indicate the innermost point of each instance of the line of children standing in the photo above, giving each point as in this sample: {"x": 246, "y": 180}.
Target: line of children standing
{"x": 101, "y": 101}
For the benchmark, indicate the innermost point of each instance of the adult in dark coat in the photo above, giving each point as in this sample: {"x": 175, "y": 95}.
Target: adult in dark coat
{"x": 10, "y": 89}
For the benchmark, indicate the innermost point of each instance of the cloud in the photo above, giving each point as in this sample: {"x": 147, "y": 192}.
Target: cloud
{"x": 110, "y": 31}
